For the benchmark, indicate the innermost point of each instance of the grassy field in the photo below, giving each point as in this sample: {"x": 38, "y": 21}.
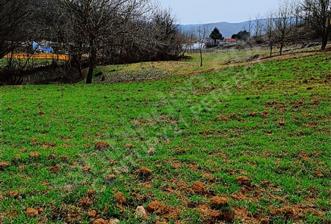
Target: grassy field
{"x": 247, "y": 144}
{"x": 213, "y": 61}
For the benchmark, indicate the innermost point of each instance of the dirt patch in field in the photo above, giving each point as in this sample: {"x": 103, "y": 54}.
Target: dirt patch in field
{"x": 102, "y": 146}
{"x": 165, "y": 211}
{"x": 199, "y": 188}
{"x": 120, "y": 198}
{"x": 67, "y": 213}
{"x": 34, "y": 155}
{"x": 85, "y": 202}
{"x": 243, "y": 181}
{"x": 175, "y": 164}
{"x": 218, "y": 202}
{"x": 48, "y": 145}
{"x": 296, "y": 212}
{"x": 4, "y": 165}
{"x": 33, "y": 212}
{"x": 279, "y": 106}
{"x": 144, "y": 173}
{"x": 210, "y": 215}
{"x": 168, "y": 120}
{"x": 55, "y": 169}
{"x": 242, "y": 214}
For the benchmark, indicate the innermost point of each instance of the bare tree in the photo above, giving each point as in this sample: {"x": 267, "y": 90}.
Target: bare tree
{"x": 201, "y": 41}
{"x": 166, "y": 35}
{"x": 93, "y": 32}
{"x": 249, "y": 26}
{"x": 13, "y": 15}
{"x": 269, "y": 30}
{"x": 154, "y": 36}
{"x": 297, "y": 12}
{"x": 319, "y": 18}
{"x": 258, "y": 27}
{"x": 95, "y": 22}
{"x": 283, "y": 25}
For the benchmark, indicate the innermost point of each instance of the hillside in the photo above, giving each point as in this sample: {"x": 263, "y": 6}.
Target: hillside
{"x": 227, "y": 29}
{"x": 248, "y": 143}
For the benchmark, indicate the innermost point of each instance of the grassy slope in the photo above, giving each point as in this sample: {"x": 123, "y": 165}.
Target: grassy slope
{"x": 212, "y": 62}
{"x": 269, "y": 122}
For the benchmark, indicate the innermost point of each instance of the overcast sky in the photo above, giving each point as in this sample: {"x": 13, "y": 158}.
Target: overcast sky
{"x": 205, "y": 11}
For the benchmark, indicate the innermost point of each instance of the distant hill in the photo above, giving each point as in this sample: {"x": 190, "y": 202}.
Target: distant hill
{"x": 227, "y": 29}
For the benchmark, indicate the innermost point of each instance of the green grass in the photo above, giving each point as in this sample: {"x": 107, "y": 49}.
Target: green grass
{"x": 213, "y": 62}
{"x": 269, "y": 122}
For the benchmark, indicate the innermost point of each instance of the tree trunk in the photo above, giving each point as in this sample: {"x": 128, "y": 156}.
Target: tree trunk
{"x": 281, "y": 48}
{"x": 92, "y": 59}
{"x": 271, "y": 48}
{"x": 89, "y": 77}
{"x": 324, "y": 41}
{"x": 201, "y": 59}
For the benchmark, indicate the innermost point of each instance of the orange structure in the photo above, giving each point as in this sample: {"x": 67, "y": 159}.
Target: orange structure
{"x": 59, "y": 57}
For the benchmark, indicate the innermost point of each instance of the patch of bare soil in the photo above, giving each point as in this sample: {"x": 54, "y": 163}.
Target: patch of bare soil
{"x": 129, "y": 146}
{"x": 85, "y": 202}
{"x": 176, "y": 165}
{"x": 101, "y": 146}
{"x": 160, "y": 209}
{"x": 48, "y": 145}
{"x": 104, "y": 221}
{"x": 67, "y": 213}
{"x": 120, "y": 198}
{"x": 243, "y": 215}
{"x": 100, "y": 221}
{"x": 34, "y": 155}
{"x": 296, "y": 212}
{"x": 243, "y": 181}
{"x": 33, "y": 212}
{"x": 199, "y": 188}
{"x": 14, "y": 194}
{"x": 281, "y": 107}
{"x": 55, "y": 169}
{"x": 92, "y": 213}
{"x": 297, "y": 104}
{"x": 223, "y": 118}
{"x": 144, "y": 173}
{"x": 86, "y": 168}
{"x": 208, "y": 177}
{"x": 210, "y": 215}
{"x": 218, "y": 202}
{"x": 141, "y": 198}
{"x": 110, "y": 178}
{"x": 167, "y": 119}
{"x": 4, "y": 165}
{"x": 282, "y": 122}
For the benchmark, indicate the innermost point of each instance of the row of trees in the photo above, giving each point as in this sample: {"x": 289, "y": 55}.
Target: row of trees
{"x": 294, "y": 21}
{"x": 242, "y": 35}
{"x": 92, "y": 31}
{"x": 283, "y": 26}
